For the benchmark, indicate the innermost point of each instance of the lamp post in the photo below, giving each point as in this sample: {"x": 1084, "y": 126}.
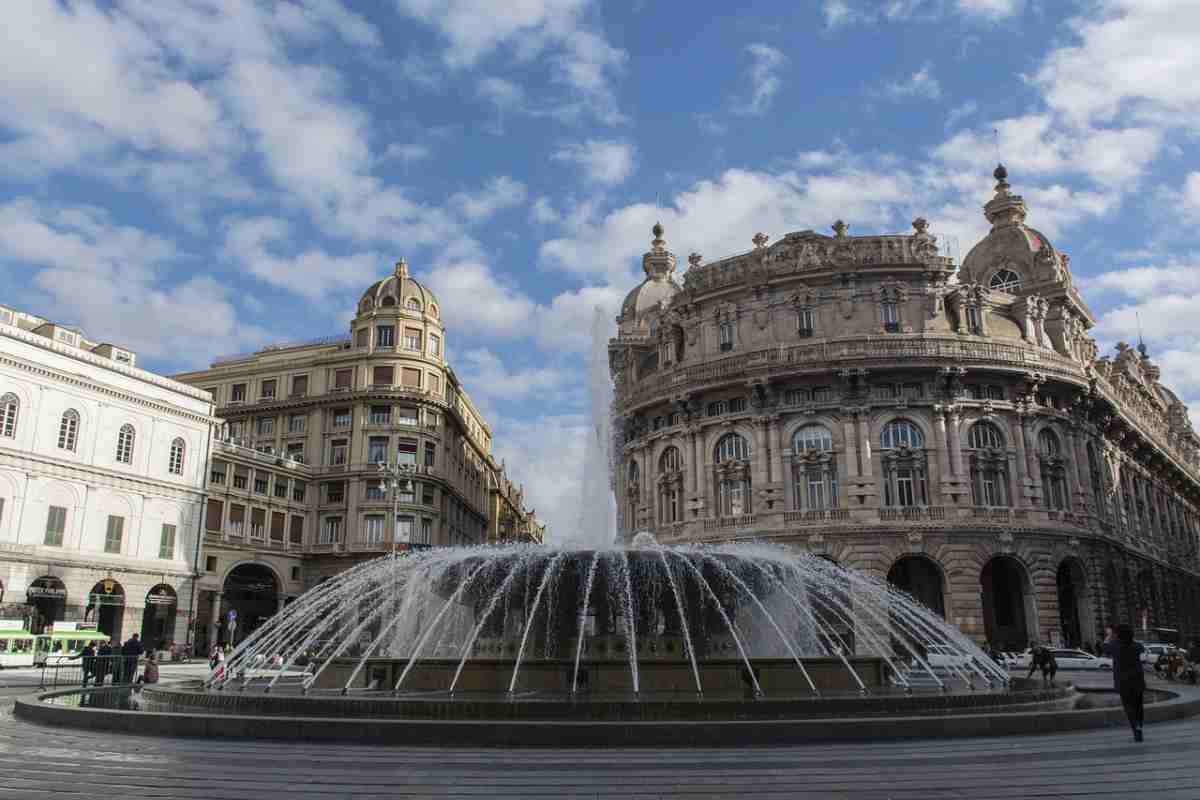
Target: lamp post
{"x": 395, "y": 477}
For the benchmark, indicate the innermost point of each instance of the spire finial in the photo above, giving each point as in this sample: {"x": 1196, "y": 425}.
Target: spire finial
{"x": 657, "y": 230}
{"x": 402, "y": 268}
{"x": 1141, "y": 343}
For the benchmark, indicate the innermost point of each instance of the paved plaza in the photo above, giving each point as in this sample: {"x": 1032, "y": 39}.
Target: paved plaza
{"x": 43, "y": 762}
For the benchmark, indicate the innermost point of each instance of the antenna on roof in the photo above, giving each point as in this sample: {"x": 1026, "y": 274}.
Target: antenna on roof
{"x": 1141, "y": 344}
{"x": 996, "y": 143}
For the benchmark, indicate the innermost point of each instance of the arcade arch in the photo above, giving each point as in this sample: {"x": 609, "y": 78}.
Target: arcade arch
{"x": 249, "y": 596}
{"x": 1009, "y": 610}
{"x": 920, "y": 577}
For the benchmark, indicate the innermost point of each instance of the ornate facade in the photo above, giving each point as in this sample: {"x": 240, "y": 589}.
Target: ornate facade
{"x": 951, "y": 428}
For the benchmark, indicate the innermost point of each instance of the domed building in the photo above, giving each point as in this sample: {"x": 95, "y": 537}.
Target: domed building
{"x": 951, "y": 428}
{"x": 296, "y": 493}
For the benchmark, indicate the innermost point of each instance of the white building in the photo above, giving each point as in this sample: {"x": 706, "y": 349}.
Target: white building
{"x": 102, "y": 475}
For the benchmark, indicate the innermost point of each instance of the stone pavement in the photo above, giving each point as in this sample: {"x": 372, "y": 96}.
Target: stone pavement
{"x": 42, "y": 762}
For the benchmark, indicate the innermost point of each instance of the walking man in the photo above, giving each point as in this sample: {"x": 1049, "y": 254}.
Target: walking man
{"x": 131, "y": 650}
{"x": 1128, "y": 678}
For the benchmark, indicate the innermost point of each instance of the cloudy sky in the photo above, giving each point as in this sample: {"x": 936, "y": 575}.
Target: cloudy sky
{"x": 198, "y": 178}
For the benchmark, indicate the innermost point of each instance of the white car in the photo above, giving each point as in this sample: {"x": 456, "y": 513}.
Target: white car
{"x": 943, "y": 655}
{"x": 1078, "y": 659}
{"x": 1153, "y": 650}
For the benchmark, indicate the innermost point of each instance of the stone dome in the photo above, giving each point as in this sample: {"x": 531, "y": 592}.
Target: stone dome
{"x": 399, "y": 290}
{"x": 659, "y": 285}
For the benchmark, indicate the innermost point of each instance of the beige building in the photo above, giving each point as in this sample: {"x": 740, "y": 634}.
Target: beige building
{"x": 295, "y": 490}
{"x": 949, "y": 428}
{"x": 508, "y": 519}
{"x": 102, "y": 477}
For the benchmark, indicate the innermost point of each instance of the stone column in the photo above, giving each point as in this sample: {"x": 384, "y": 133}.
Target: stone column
{"x": 1023, "y": 499}
{"x": 939, "y": 433}
{"x": 850, "y": 443}
{"x": 777, "y": 447}
{"x": 214, "y": 620}
{"x": 1075, "y": 469}
{"x": 1083, "y": 471}
{"x": 760, "y": 471}
{"x": 956, "y": 465}
{"x": 864, "y": 441}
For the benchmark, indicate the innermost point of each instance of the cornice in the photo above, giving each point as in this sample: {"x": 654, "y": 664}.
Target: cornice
{"x": 41, "y": 466}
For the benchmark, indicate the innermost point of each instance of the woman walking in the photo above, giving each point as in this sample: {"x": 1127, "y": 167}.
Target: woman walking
{"x": 1128, "y": 678}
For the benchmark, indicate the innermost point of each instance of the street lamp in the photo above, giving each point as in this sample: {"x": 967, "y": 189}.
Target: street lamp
{"x": 395, "y": 477}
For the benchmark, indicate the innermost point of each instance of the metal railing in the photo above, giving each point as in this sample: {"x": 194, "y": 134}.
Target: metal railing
{"x": 90, "y": 670}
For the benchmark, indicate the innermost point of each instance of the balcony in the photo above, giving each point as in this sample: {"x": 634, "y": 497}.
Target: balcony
{"x": 725, "y": 523}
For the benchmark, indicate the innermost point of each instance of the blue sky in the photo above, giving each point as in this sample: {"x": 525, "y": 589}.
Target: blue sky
{"x": 198, "y": 178}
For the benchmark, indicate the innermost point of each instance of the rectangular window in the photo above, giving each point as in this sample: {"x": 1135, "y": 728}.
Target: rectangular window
{"x": 816, "y": 490}
{"x": 268, "y": 390}
{"x": 995, "y": 392}
{"x": 891, "y": 318}
{"x": 212, "y": 392}
{"x": 343, "y": 379}
{"x": 806, "y": 322}
{"x": 258, "y": 523}
{"x": 426, "y": 530}
{"x": 297, "y": 532}
{"x": 435, "y": 345}
{"x": 912, "y": 391}
{"x": 341, "y": 418}
{"x": 337, "y": 452}
{"x": 217, "y": 474}
{"x": 297, "y": 423}
{"x": 725, "y": 335}
{"x": 385, "y": 336}
{"x": 212, "y": 519}
{"x": 335, "y": 492}
{"x": 296, "y": 572}
{"x": 278, "y": 521}
{"x": 430, "y": 454}
{"x": 331, "y": 531}
{"x": 362, "y": 337}
{"x": 884, "y": 391}
{"x": 407, "y": 492}
{"x": 295, "y": 451}
{"x": 718, "y": 408}
{"x": 432, "y": 419}
{"x": 406, "y": 416}
{"x": 281, "y": 487}
{"x": 166, "y": 542}
{"x": 377, "y": 450}
{"x": 822, "y": 394}
{"x": 412, "y": 378}
{"x": 376, "y": 492}
{"x": 237, "y": 520}
{"x": 373, "y": 528}
{"x": 383, "y": 376}
{"x": 404, "y": 528}
{"x": 435, "y": 384}
{"x": 380, "y": 415}
{"x": 56, "y": 525}
{"x": 260, "y": 484}
{"x": 299, "y": 490}
{"x": 412, "y": 339}
{"x": 406, "y": 451}
{"x": 238, "y": 395}
{"x": 737, "y": 405}
{"x": 113, "y": 534}
{"x": 265, "y": 426}
{"x": 427, "y": 496}
{"x": 299, "y": 385}
{"x": 974, "y": 320}
{"x": 210, "y": 563}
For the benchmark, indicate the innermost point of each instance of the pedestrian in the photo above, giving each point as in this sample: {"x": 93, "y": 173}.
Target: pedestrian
{"x": 214, "y": 656}
{"x": 131, "y": 650}
{"x": 150, "y": 672}
{"x": 104, "y": 662}
{"x": 88, "y": 654}
{"x": 1128, "y": 678}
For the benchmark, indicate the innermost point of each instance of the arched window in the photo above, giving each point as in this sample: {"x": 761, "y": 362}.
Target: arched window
{"x": 905, "y": 481}
{"x": 125, "y": 444}
{"x": 389, "y": 301}
{"x": 1005, "y": 280}
{"x": 901, "y": 433}
{"x": 670, "y": 486}
{"x": 814, "y": 469}
{"x": 9, "y": 406}
{"x": 414, "y": 304}
{"x": 1054, "y": 473}
{"x": 175, "y": 465}
{"x": 732, "y": 447}
{"x": 433, "y": 312}
{"x": 68, "y": 430}
{"x": 989, "y": 465}
{"x": 732, "y": 457}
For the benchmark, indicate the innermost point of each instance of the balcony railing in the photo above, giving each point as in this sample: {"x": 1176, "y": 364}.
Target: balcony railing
{"x": 722, "y": 523}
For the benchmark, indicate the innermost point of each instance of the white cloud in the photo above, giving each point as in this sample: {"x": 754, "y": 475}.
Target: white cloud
{"x": 839, "y": 13}
{"x": 1189, "y": 197}
{"x": 409, "y": 152}
{"x": 489, "y": 377}
{"x": 542, "y": 211}
{"x": 478, "y": 301}
{"x": 606, "y": 162}
{"x": 992, "y": 9}
{"x": 921, "y": 83}
{"x": 498, "y": 194}
{"x": 504, "y": 94}
{"x": 113, "y": 281}
{"x": 766, "y": 63}
{"x": 580, "y": 57}
{"x": 1146, "y": 282}
{"x": 959, "y": 113}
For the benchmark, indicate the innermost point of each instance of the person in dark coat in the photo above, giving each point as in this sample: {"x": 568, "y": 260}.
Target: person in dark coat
{"x": 104, "y": 661}
{"x": 88, "y": 654}
{"x": 1128, "y": 678}
{"x": 132, "y": 650}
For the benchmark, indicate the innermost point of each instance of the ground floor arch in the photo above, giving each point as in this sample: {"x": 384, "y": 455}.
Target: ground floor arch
{"x": 47, "y": 599}
{"x": 1009, "y": 610}
{"x": 158, "y": 618}
{"x": 1074, "y": 604}
{"x": 106, "y": 607}
{"x": 249, "y": 596}
{"x": 921, "y": 577}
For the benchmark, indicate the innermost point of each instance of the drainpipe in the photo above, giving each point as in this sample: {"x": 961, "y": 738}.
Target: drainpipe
{"x": 190, "y": 638}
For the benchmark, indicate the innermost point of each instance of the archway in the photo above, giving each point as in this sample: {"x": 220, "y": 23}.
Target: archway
{"x": 920, "y": 577}
{"x": 47, "y": 597}
{"x": 158, "y": 620}
{"x": 249, "y": 596}
{"x": 1008, "y": 613}
{"x": 106, "y": 602}
{"x": 1074, "y": 608}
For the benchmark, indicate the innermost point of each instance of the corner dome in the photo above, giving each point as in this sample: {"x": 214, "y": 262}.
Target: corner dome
{"x": 399, "y": 290}
{"x": 659, "y": 285}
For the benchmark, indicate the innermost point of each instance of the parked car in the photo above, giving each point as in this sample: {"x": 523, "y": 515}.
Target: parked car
{"x": 943, "y": 655}
{"x": 1078, "y": 659}
{"x": 1155, "y": 649}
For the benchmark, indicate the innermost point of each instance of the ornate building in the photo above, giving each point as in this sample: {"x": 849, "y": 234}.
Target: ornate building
{"x": 295, "y": 490}
{"x": 102, "y": 470}
{"x": 952, "y": 429}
